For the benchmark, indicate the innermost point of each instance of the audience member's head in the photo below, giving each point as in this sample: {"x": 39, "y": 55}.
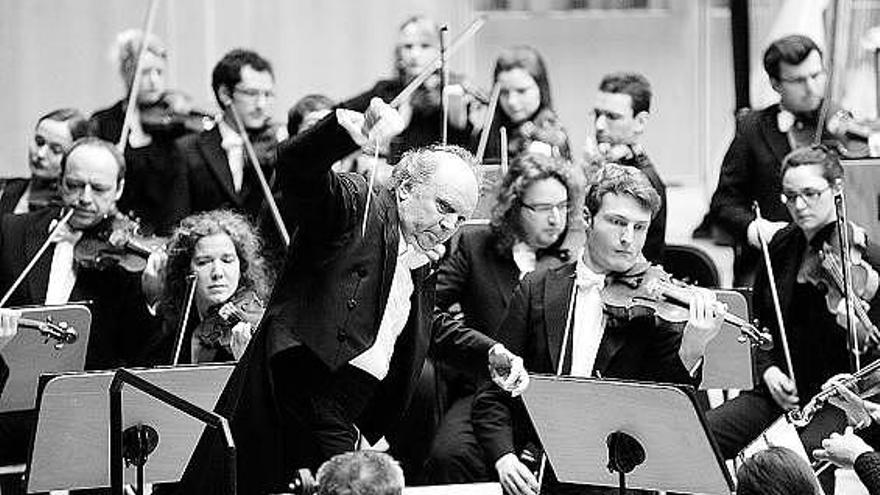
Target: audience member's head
{"x": 363, "y": 472}
{"x": 307, "y": 112}
{"x": 776, "y": 471}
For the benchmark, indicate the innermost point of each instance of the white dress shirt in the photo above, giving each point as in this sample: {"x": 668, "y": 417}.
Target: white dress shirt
{"x": 62, "y": 275}
{"x": 233, "y": 144}
{"x": 588, "y": 326}
{"x": 525, "y": 258}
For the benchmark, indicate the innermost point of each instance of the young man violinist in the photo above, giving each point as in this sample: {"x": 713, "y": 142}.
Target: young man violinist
{"x": 817, "y": 340}
{"x": 620, "y": 204}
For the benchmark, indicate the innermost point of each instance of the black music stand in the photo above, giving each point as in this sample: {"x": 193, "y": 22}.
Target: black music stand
{"x": 71, "y": 442}
{"x": 589, "y": 426}
{"x": 30, "y": 353}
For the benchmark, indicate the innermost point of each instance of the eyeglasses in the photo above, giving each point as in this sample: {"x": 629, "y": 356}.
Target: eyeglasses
{"x": 545, "y": 208}
{"x": 253, "y": 93}
{"x": 803, "y": 80}
{"x": 809, "y": 195}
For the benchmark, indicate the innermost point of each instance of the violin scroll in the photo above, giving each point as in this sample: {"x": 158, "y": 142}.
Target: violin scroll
{"x": 61, "y": 333}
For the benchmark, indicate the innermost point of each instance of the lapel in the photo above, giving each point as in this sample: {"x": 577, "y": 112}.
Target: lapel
{"x": 558, "y": 286}
{"x": 215, "y": 157}
{"x": 38, "y": 280}
{"x": 613, "y": 340}
{"x": 777, "y": 141}
{"x": 384, "y": 212}
{"x": 504, "y": 271}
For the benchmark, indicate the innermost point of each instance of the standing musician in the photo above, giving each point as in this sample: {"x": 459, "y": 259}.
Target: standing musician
{"x": 620, "y": 205}
{"x": 54, "y": 133}
{"x": 621, "y": 113}
{"x": 346, "y": 332}
{"x": 751, "y": 168}
{"x": 218, "y": 171}
{"x": 154, "y": 183}
{"x": 223, "y": 251}
{"x": 816, "y": 336}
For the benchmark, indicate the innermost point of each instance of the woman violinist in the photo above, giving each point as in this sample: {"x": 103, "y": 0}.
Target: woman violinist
{"x": 223, "y": 252}
{"x": 818, "y": 344}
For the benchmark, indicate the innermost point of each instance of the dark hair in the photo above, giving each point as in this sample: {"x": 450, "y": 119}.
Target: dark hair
{"x": 227, "y": 72}
{"x": 362, "y": 472}
{"x": 776, "y": 471}
{"x": 612, "y": 178}
{"x": 526, "y": 58}
{"x": 75, "y": 120}
{"x": 524, "y": 171}
{"x": 418, "y": 166}
{"x": 97, "y": 143}
{"x": 255, "y": 275}
{"x": 792, "y": 49}
{"x": 832, "y": 171}
{"x": 629, "y": 83}
{"x": 306, "y": 105}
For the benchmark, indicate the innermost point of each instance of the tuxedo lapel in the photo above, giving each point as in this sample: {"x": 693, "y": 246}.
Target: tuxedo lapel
{"x": 776, "y": 140}
{"x": 558, "y": 287}
{"x": 38, "y": 280}
{"x": 218, "y": 163}
{"x": 384, "y": 212}
{"x": 613, "y": 339}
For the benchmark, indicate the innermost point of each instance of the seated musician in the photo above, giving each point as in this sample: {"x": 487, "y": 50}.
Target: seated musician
{"x": 620, "y": 204}
{"x": 222, "y": 249}
{"x": 776, "y": 471}
{"x": 54, "y": 134}
{"x": 526, "y": 233}
{"x": 816, "y": 337}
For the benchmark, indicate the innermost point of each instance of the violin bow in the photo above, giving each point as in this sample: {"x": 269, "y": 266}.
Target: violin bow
{"x": 261, "y": 177}
{"x": 504, "y": 157}
{"x": 184, "y": 317}
{"x": 444, "y": 81}
{"x": 848, "y": 293}
{"x": 487, "y": 122}
{"x": 30, "y": 266}
{"x": 771, "y": 278}
{"x": 136, "y": 78}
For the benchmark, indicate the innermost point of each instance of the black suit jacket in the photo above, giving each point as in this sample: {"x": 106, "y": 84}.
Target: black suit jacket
{"x": 121, "y": 327}
{"x": 209, "y": 184}
{"x": 330, "y": 299}
{"x": 13, "y": 189}
{"x": 534, "y": 328}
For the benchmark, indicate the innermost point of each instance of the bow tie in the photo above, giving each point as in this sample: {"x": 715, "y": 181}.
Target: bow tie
{"x": 231, "y": 140}
{"x": 785, "y": 120}
{"x": 586, "y": 278}
{"x": 64, "y": 233}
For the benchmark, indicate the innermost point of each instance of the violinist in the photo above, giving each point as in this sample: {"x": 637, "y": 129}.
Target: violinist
{"x": 222, "y": 249}
{"x": 218, "y": 171}
{"x": 153, "y": 181}
{"x": 54, "y": 133}
{"x": 814, "y": 329}
{"x": 620, "y": 203}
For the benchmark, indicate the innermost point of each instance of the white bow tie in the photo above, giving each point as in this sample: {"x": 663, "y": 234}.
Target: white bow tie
{"x": 785, "y": 120}
{"x": 231, "y": 141}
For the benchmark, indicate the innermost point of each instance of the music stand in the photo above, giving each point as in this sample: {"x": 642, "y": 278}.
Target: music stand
{"x": 30, "y": 353}
{"x": 72, "y": 441}
{"x": 575, "y": 417}
{"x": 728, "y": 360}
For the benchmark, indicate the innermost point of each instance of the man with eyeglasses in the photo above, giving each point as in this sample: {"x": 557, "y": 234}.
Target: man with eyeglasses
{"x": 816, "y": 336}
{"x": 620, "y": 203}
{"x": 621, "y": 113}
{"x": 750, "y": 170}
{"x": 218, "y": 170}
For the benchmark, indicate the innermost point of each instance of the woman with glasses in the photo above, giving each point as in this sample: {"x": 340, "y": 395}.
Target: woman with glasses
{"x": 527, "y": 232}
{"x": 524, "y": 108}
{"x": 817, "y": 339}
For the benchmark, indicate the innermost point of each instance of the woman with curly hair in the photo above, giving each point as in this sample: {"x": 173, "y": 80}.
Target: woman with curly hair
{"x": 222, "y": 251}
{"x": 525, "y": 108}
{"x": 537, "y": 205}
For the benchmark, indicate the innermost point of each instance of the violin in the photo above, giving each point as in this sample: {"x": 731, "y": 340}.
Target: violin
{"x": 823, "y": 268}
{"x": 117, "y": 241}
{"x": 173, "y": 115}
{"x": 215, "y": 330}
{"x": 648, "y": 290}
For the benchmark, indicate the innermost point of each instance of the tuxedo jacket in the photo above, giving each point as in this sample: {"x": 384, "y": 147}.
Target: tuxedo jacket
{"x": 13, "y": 189}
{"x": 638, "y": 349}
{"x": 121, "y": 326}
{"x": 330, "y": 298}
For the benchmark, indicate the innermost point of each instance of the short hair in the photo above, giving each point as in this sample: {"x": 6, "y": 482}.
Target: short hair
{"x": 426, "y": 26}
{"x": 776, "y": 471}
{"x": 362, "y": 472}
{"x": 76, "y": 122}
{"x": 227, "y": 72}
{"x": 127, "y": 48}
{"x": 525, "y": 170}
{"x": 612, "y": 178}
{"x": 832, "y": 170}
{"x": 306, "y": 105}
{"x": 629, "y": 83}
{"x": 527, "y": 58}
{"x": 96, "y": 142}
{"x": 417, "y": 166}
{"x": 255, "y": 275}
{"x": 792, "y": 49}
